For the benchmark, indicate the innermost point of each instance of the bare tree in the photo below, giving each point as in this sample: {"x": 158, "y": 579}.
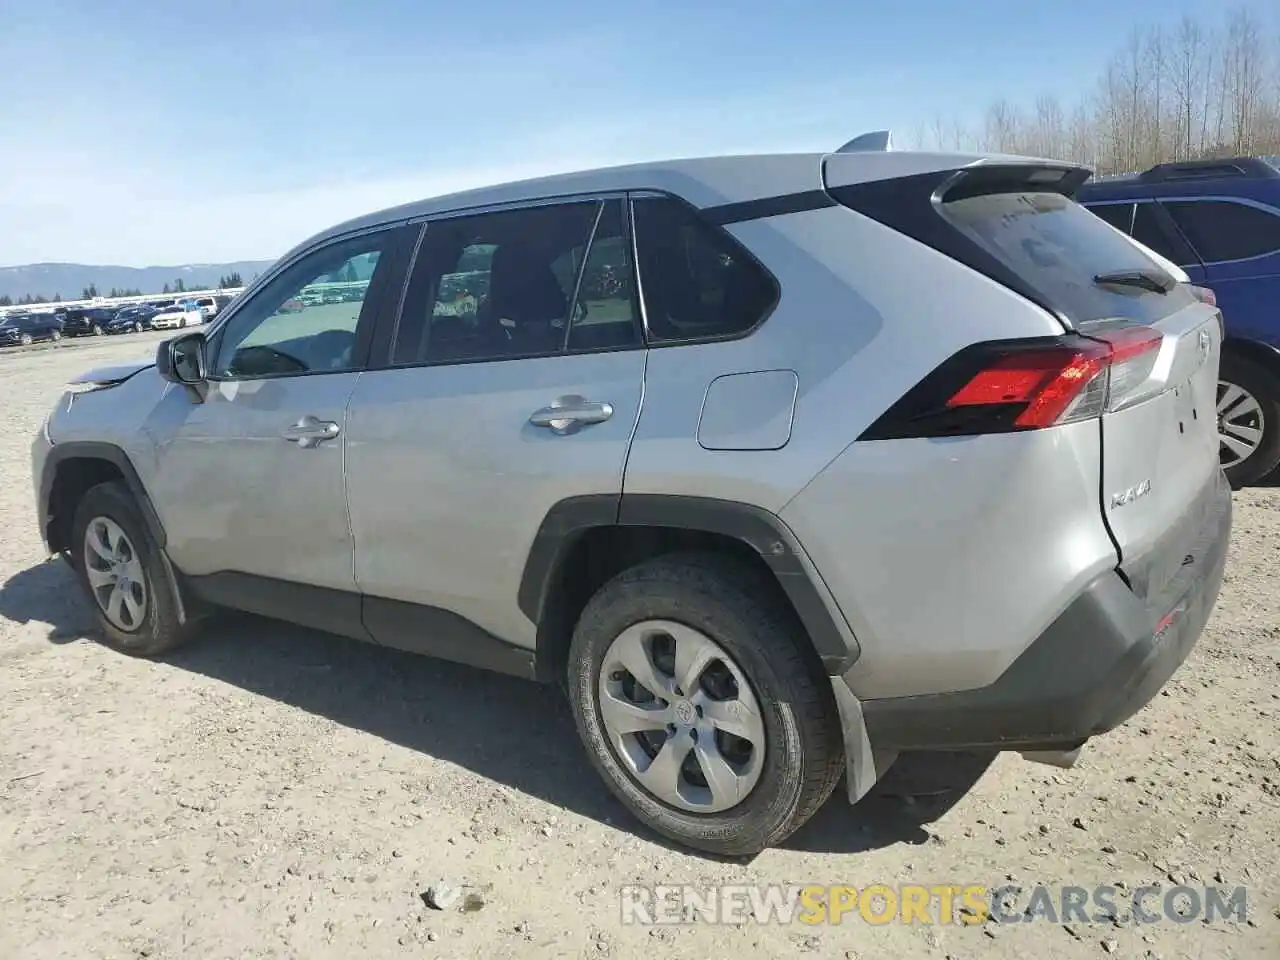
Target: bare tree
{"x": 1174, "y": 92}
{"x": 1187, "y": 77}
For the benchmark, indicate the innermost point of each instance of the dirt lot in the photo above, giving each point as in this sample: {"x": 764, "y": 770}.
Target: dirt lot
{"x": 272, "y": 792}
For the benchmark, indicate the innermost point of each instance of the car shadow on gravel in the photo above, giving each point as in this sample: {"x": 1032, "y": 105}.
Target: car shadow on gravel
{"x": 514, "y": 732}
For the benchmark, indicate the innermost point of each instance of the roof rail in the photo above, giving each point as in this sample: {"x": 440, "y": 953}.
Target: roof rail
{"x": 1210, "y": 169}
{"x": 875, "y": 142}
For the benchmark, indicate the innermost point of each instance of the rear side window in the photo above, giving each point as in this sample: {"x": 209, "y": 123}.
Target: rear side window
{"x": 698, "y": 282}
{"x": 1119, "y": 215}
{"x": 1151, "y": 229}
{"x": 1057, "y": 248}
{"x": 1225, "y": 230}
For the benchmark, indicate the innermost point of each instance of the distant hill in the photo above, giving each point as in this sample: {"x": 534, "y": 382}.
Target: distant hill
{"x": 70, "y": 279}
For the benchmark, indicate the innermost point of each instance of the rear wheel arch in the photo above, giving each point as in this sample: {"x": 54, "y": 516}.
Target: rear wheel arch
{"x": 1263, "y": 354}
{"x": 585, "y": 541}
{"x": 1257, "y": 366}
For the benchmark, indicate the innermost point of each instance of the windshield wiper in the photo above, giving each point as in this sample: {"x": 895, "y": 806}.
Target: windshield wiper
{"x": 1142, "y": 279}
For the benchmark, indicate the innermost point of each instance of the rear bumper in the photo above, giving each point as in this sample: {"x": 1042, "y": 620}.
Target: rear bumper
{"x": 1095, "y": 666}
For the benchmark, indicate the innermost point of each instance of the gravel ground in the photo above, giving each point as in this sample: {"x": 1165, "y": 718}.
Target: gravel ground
{"x": 272, "y": 792}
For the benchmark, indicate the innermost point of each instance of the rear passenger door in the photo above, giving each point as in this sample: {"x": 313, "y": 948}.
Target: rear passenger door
{"x": 1239, "y": 243}
{"x": 510, "y": 382}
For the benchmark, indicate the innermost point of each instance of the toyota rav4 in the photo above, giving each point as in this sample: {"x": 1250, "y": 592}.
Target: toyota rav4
{"x": 782, "y": 465}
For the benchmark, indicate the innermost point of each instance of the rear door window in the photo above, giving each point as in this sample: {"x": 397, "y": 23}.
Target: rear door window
{"x": 1119, "y": 215}
{"x": 1223, "y": 230}
{"x": 1151, "y": 228}
{"x": 1057, "y": 247}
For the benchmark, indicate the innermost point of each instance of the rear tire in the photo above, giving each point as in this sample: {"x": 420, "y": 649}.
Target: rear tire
{"x": 1263, "y": 400}
{"x": 55, "y": 335}
{"x": 141, "y": 617}
{"x": 715, "y": 599}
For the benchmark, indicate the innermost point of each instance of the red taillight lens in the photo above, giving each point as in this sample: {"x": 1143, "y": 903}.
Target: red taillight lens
{"x": 1205, "y": 295}
{"x": 1026, "y": 385}
{"x": 1044, "y": 382}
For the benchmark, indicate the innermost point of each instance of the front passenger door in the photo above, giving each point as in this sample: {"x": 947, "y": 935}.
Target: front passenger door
{"x": 250, "y": 482}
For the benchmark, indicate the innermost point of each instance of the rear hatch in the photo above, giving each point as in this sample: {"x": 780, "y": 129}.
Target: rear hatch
{"x": 1157, "y": 337}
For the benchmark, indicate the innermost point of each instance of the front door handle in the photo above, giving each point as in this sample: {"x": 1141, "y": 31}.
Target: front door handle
{"x": 309, "y": 431}
{"x": 570, "y": 414}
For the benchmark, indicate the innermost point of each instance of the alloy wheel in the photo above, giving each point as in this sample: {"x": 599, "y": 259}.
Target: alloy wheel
{"x": 1241, "y": 423}
{"x": 114, "y": 571}
{"x": 681, "y": 716}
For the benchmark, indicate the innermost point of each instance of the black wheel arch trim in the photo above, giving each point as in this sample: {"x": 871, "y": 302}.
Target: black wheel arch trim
{"x": 59, "y": 453}
{"x": 760, "y": 529}
{"x": 1265, "y": 354}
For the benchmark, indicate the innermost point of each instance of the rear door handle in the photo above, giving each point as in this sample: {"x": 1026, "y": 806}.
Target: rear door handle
{"x": 309, "y": 431}
{"x": 570, "y": 414}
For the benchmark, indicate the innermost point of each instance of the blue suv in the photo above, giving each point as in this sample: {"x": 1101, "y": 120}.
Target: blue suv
{"x": 1220, "y": 221}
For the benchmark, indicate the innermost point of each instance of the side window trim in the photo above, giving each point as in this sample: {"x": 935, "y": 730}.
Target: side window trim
{"x": 1173, "y": 234}
{"x": 387, "y": 327}
{"x": 639, "y": 322}
{"x": 372, "y": 308}
{"x": 637, "y": 281}
{"x": 701, "y": 215}
{"x": 572, "y": 318}
{"x": 1214, "y": 198}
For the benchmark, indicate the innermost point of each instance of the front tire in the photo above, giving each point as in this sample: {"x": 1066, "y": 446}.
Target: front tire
{"x": 123, "y": 574}
{"x": 1248, "y": 409}
{"x": 97, "y": 330}
{"x": 55, "y": 335}
{"x": 741, "y": 743}
{"x": 25, "y": 339}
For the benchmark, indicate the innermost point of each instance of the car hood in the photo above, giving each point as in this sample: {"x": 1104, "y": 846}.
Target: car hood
{"x": 109, "y": 376}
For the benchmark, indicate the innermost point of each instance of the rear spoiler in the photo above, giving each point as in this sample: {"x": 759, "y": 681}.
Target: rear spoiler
{"x": 909, "y": 203}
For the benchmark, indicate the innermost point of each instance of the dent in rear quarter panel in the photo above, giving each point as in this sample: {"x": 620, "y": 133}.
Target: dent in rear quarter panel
{"x": 949, "y": 557}
{"x": 865, "y": 313}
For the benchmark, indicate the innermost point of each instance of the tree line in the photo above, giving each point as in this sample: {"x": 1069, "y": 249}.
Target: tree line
{"x": 230, "y": 282}
{"x": 1170, "y": 92}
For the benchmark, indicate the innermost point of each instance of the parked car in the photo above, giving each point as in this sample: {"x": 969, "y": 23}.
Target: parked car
{"x": 25, "y": 328}
{"x": 132, "y": 320}
{"x": 182, "y": 314}
{"x": 1220, "y": 221}
{"x": 86, "y": 321}
{"x": 212, "y": 305}
{"x": 1008, "y": 537}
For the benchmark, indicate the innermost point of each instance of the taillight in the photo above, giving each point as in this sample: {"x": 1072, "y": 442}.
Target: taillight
{"x": 1205, "y": 295}
{"x": 1014, "y": 385}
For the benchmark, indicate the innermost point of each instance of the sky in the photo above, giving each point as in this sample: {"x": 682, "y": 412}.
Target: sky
{"x": 145, "y": 132}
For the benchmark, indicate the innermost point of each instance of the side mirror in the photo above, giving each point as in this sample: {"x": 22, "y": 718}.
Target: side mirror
{"x": 182, "y": 359}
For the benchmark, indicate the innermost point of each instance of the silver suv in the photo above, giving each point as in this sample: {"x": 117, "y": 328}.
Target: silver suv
{"x": 782, "y": 464}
